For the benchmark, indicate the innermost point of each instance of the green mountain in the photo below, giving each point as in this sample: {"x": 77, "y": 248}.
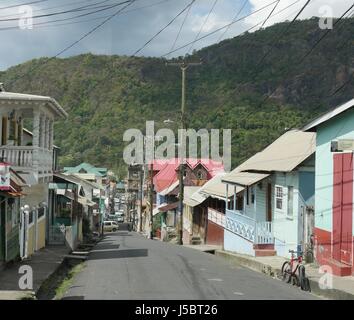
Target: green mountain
{"x": 105, "y": 95}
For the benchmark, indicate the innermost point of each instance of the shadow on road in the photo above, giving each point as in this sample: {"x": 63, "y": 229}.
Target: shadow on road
{"x": 74, "y": 298}
{"x": 116, "y": 254}
{"x": 107, "y": 246}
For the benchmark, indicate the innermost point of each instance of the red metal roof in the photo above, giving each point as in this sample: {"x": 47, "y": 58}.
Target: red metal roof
{"x": 168, "y": 170}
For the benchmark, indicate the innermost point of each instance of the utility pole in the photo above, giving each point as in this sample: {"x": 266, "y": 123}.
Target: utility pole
{"x": 183, "y": 66}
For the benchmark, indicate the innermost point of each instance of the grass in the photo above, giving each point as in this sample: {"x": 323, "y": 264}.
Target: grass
{"x": 67, "y": 281}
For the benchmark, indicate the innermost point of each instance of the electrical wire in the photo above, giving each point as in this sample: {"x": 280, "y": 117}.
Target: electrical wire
{"x": 180, "y": 29}
{"x": 202, "y": 26}
{"x": 128, "y": 3}
{"x": 234, "y": 18}
{"x": 163, "y": 29}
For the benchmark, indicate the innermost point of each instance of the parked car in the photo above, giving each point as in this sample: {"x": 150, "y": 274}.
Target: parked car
{"x": 110, "y": 226}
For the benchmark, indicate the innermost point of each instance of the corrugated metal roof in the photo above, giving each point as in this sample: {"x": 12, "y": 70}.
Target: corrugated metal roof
{"x": 245, "y": 178}
{"x": 284, "y": 154}
{"x": 328, "y": 115}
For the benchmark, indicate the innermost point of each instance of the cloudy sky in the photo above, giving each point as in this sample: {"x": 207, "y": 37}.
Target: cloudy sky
{"x": 57, "y": 24}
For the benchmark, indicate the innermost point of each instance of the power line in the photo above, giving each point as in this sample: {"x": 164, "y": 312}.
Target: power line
{"x": 180, "y": 29}
{"x": 161, "y": 30}
{"x": 70, "y": 18}
{"x": 202, "y": 26}
{"x": 128, "y": 3}
{"x": 281, "y": 35}
{"x": 51, "y": 23}
{"x": 270, "y": 14}
{"x": 309, "y": 52}
{"x": 23, "y": 4}
{"x": 82, "y": 8}
{"x": 235, "y": 18}
{"x": 219, "y": 29}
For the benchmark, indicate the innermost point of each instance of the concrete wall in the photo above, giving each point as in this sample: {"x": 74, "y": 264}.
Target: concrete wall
{"x": 41, "y": 233}
{"x": 31, "y": 241}
{"x": 235, "y": 243}
{"x": 215, "y": 234}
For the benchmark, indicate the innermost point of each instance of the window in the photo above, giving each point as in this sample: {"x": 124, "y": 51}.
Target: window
{"x": 200, "y": 174}
{"x": 41, "y": 212}
{"x": 279, "y": 197}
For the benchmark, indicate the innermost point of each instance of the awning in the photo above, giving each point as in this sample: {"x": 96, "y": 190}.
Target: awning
{"x": 169, "y": 189}
{"x": 244, "y": 179}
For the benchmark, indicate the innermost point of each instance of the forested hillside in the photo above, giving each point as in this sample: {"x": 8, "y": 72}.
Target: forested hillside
{"x": 105, "y": 95}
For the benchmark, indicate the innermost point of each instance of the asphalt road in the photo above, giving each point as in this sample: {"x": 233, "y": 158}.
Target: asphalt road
{"x": 125, "y": 265}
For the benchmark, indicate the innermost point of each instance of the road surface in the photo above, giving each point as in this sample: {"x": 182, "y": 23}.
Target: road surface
{"x": 125, "y": 265}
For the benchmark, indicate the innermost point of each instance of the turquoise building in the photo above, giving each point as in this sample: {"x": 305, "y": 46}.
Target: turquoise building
{"x": 334, "y": 227}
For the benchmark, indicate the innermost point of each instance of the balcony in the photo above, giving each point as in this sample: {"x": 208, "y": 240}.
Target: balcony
{"x": 258, "y": 232}
{"x": 28, "y": 159}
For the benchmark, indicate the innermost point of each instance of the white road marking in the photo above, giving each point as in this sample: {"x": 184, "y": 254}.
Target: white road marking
{"x": 239, "y": 293}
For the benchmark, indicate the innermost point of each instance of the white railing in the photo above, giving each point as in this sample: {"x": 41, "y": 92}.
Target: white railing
{"x": 17, "y": 156}
{"x": 241, "y": 225}
{"x": 28, "y": 157}
{"x": 258, "y": 232}
{"x": 216, "y": 217}
{"x": 264, "y": 232}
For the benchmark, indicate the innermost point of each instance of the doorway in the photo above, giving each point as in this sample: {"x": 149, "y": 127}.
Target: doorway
{"x": 269, "y": 203}
{"x": 342, "y": 207}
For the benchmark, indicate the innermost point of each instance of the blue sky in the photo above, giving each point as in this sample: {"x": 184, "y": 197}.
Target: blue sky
{"x": 127, "y": 32}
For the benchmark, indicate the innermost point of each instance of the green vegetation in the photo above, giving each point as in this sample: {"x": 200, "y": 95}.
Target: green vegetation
{"x": 67, "y": 281}
{"x": 105, "y": 95}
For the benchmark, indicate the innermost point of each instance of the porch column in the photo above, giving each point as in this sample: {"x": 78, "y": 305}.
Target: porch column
{"x": 227, "y": 197}
{"x": 36, "y": 129}
{"x": 42, "y": 131}
{"x": 234, "y": 197}
{"x": 46, "y": 134}
{"x": 51, "y": 134}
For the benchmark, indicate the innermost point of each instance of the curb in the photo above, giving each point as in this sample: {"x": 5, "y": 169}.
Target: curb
{"x": 334, "y": 294}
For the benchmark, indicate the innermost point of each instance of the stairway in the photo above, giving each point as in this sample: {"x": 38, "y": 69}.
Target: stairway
{"x": 264, "y": 250}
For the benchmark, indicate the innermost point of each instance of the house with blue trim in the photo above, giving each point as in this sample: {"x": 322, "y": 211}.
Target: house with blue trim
{"x": 271, "y": 211}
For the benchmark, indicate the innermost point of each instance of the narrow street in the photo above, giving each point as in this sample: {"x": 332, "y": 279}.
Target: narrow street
{"x": 126, "y": 265}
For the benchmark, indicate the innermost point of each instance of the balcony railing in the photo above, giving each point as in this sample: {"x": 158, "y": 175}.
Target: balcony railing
{"x": 216, "y": 217}
{"x": 28, "y": 158}
{"x": 258, "y": 232}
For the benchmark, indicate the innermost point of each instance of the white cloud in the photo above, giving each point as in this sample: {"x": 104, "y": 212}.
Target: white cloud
{"x": 316, "y": 8}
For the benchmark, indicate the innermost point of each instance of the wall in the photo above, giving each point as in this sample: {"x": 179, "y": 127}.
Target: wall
{"x": 36, "y": 194}
{"x": 235, "y": 243}
{"x": 340, "y": 127}
{"x": 31, "y": 241}
{"x": 41, "y": 233}
{"x": 285, "y": 227}
{"x": 215, "y": 234}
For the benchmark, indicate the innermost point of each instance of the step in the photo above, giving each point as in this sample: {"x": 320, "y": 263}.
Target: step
{"x": 338, "y": 268}
{"x": 75, "y": 257}
{"x": 267, "y": 246}
{"x": 265, "y": 252}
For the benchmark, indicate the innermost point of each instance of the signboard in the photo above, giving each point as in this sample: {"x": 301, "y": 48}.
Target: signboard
{"x": 342, "y": 145}
{"x": 4, "y": 176}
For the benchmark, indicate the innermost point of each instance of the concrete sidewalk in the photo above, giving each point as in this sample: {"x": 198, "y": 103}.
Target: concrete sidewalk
{"x": 44, "y": 263}
{"x": 342, "y": 287}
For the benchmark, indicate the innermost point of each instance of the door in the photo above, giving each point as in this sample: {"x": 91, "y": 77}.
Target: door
{"x": 342, "y": 207}
{"x": 269, "y": 202}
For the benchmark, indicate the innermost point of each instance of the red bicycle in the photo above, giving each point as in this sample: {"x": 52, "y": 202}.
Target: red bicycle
{"x": 293, "y": 271}
{"x": 289, "y": 268}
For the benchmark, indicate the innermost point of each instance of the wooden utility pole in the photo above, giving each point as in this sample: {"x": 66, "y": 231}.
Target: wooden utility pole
{"x": 183, "y": 66}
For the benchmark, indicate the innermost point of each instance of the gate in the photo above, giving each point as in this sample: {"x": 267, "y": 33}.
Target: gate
{"x": 56, "y": 235}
